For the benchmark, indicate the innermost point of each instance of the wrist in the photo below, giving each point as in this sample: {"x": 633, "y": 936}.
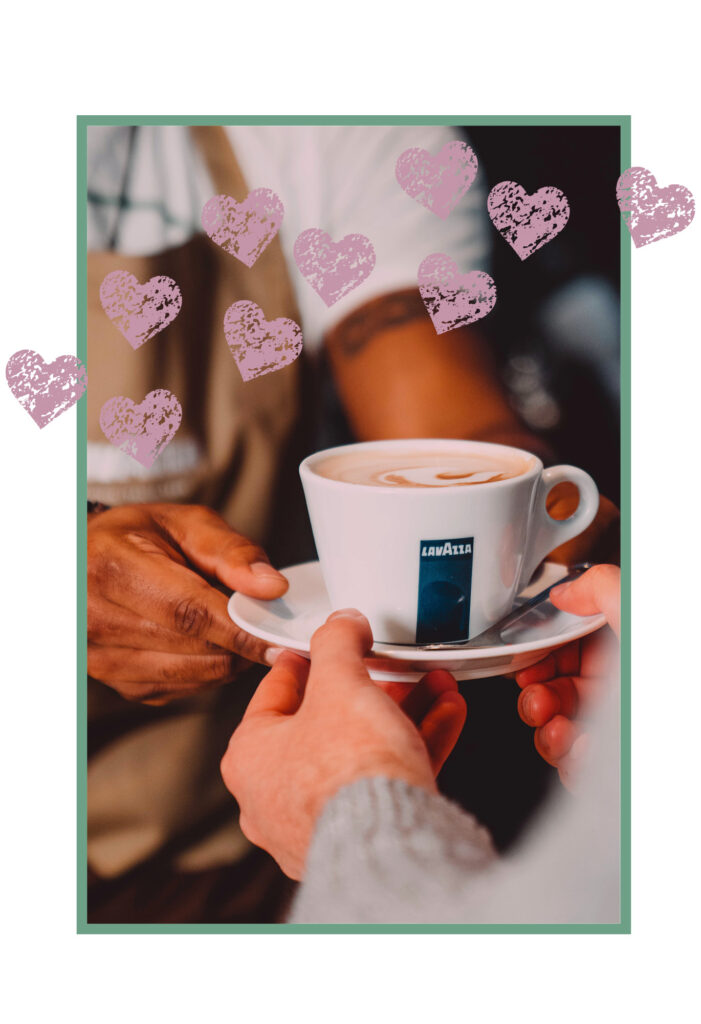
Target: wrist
{"x": 382, "y": 768}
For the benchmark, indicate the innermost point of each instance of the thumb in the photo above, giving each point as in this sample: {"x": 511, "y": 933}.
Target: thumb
{"x": 280, "y": 692}
{"x": 212, "y": 546}
{"x": 597, "y": 591}
{"x": 338, "y": 648}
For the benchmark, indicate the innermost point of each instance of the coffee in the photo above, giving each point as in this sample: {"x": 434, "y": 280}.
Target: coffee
{"x": 426, "y": 468}
{"x": 406, "y": 532}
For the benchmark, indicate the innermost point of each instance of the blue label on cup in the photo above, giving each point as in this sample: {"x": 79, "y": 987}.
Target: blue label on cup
{"x": 445, "y": 582}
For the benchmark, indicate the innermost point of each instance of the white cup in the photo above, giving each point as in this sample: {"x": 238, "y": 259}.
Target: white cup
{"x": 431, "y": 564}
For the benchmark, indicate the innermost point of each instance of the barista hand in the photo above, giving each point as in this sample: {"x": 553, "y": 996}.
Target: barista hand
{"x": 158, "y": 627}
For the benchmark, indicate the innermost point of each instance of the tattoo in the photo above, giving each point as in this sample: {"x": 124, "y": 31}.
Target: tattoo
{"x": 353, "y": 334}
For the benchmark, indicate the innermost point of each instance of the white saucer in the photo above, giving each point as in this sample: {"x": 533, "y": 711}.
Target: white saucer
{"x": 290, "y": 621}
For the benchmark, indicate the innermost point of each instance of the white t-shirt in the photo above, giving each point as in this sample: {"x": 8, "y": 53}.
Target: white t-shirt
{"x": 337, "y": 178}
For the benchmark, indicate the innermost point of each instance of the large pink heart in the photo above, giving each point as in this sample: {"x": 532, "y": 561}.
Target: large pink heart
{"x": 260, "y": 346}
{"x": 454, "y": 299}
{"x": 333, "y": 268}
{"x": 142, "y": 430}
{"x": 45, "y": 390}
{"x": 243, "y": 229}
{"x": 652, "y": 212}
{"x": 437, "y": 182}
{"x": 527, "y": 222}
{"x": 139, "y": 311}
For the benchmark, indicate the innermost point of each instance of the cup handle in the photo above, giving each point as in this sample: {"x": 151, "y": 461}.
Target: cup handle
{"x": 546, "y": 533}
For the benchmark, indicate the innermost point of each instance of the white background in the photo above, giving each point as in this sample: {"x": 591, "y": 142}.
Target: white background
{"x": 321, "y": 58}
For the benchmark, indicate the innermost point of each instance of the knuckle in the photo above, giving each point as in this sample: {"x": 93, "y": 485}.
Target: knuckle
{"x": 201, "y": 514}
{"x": 228, "y": 766}
{"x": 248, "y": 647}
{"x": 203, "y": 511}
{"x": 95, "y": 631}
{"x": 603, "y": 571}
{"x": 171, "y": 672}
{"x": 605, "y": 574}
{"x": 241, "y": 550}
{"x": 225, "y": 667}
{"x": 247, "y": 828}
{"x": 192, "y": 617}
{"x": 96, "y": 664}
{"x": 329, "y": 631}
{"x": 104, "y": 563}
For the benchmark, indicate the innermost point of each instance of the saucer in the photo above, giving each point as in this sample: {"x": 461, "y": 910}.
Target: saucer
{"x": 290, "y": 621}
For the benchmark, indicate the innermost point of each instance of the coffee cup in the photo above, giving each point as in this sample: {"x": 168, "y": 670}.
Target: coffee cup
{"x": 432, "y": 539}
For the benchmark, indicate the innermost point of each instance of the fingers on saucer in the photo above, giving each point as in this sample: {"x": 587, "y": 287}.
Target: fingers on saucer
{"x": 442, "y": 725}
{"x": 554, "y": 740}
{"x": 563, "y": 662}
{"x": 423, "y": 695}
{"x": 539, "y": 702}
{"x": 538, "y": 673}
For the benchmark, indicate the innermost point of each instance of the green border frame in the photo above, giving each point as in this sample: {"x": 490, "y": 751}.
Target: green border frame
{"x": 623, "y": 927}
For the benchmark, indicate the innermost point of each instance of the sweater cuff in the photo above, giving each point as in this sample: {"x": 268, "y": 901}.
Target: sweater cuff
{"x": 386, "y": 851}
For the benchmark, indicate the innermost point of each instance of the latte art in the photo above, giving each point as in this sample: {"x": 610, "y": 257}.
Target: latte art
{"x": 421, "y": 469}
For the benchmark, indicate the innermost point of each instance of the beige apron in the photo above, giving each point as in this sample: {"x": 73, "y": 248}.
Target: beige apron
{"x": 153, "y": 778}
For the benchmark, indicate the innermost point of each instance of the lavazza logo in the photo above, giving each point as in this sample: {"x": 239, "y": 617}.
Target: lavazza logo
{"x": 446, "y": 548}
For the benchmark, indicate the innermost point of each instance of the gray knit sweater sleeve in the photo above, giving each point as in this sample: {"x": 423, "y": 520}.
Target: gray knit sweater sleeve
{"x": 385, "y": 851}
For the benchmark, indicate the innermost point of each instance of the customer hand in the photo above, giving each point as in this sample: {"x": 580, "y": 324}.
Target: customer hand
{"x": 556, "y": 690}
{"x": 311, "y": 729}
{"x": 158, "y": 627}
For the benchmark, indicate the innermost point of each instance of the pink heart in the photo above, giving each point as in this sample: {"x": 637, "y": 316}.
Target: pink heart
{"x": 45, "y": 390}
{"x": 243, "y": 229}
{"x": 260, "y": 346}
{"x": 527, "y": 222}
{"x": 451, "y": 298}
{"x": 651, "y": 212}
{"x": 142, "y": 430}
{"x": 139, "y": 311}
{"x": 333, "y": 268}
{"x": 437, "y": 182}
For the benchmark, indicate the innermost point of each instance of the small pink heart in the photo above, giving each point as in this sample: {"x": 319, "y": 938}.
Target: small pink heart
{"x": 142, "y": 430}
{"x": 139, "y": 311}
{"x": 454, "y": 299}
{"x": 260, "y": 346}
{"x": 527, "y": 222}
{"x": 437, "y": 182}
{"x": 243, "y": 229}
{"x": 333, "y": 268}
{"x": 45, "y": 390}
{"x": 652, "y": 212}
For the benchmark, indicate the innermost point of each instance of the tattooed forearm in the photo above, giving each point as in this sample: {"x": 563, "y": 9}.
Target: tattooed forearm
{"x": 354, "y": 333}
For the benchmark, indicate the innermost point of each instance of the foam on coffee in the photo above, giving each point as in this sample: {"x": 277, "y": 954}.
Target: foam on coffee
{"x": 439, "y": 468}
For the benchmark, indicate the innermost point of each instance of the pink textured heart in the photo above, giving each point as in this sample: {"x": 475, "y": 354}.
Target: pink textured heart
{"x": 437, "y": 182}
{"x": 333, "y": 268}
{"x": 45, "y": 390}
{"x": 454, "y": 299}
{"x": 139, "y": 311}
{"x": 651, "y": 212}
{"x": 260, "y": 346}
{"x": 244, "y": 229}
{"x": 527, "y": 222}
{"x": 142, "y": 430}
